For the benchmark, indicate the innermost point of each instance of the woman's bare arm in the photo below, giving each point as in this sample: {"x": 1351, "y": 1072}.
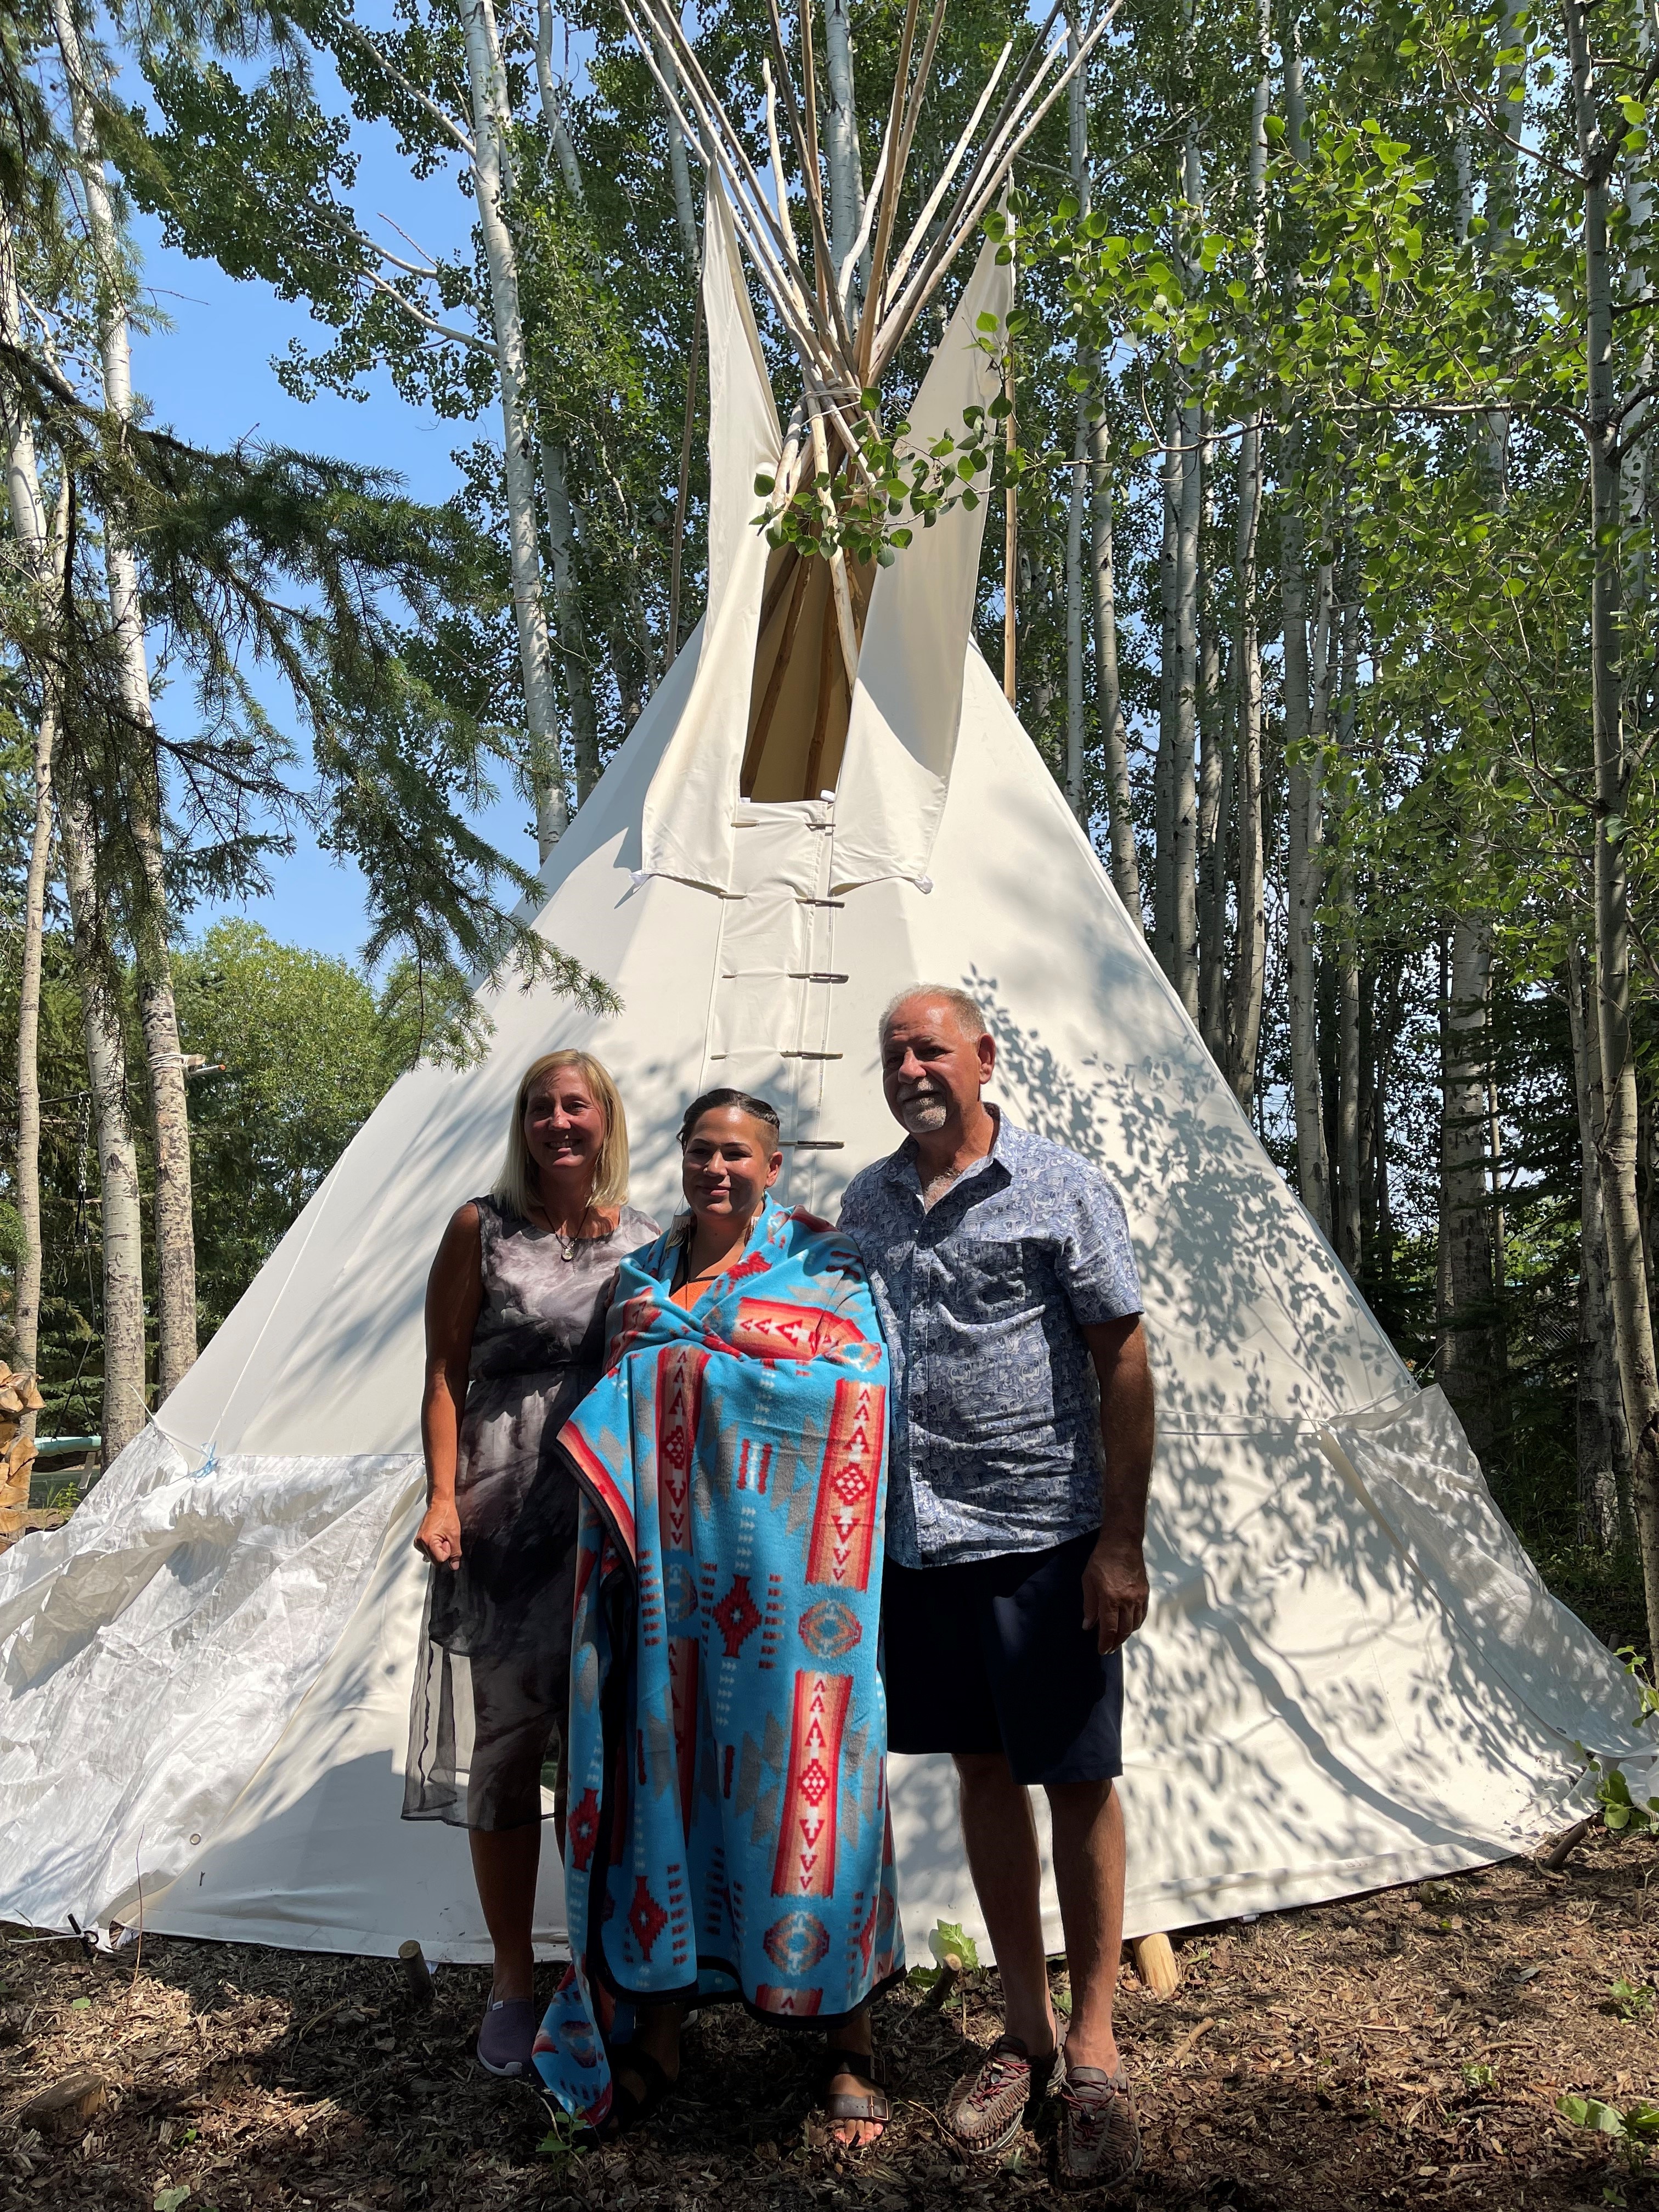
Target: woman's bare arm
{"x": 454, "y": 1292}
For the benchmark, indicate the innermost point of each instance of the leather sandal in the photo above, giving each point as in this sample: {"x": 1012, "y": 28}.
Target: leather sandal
{"x": 628, "y": 2112}
{"x": 868, "y": 2106}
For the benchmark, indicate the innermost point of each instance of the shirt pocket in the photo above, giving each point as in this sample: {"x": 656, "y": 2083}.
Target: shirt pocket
{"x": 997, "y": 1280}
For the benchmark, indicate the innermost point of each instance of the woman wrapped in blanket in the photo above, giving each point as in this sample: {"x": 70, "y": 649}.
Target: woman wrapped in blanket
{"x": 728, "y": 1828}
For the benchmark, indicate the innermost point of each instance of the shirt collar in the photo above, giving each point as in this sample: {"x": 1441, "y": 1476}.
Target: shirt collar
{"x": 1006, "y": 1145}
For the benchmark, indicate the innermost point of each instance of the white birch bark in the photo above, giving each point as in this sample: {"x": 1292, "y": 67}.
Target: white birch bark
{"x": 1108, "y": 694}
{"x": 29, "y": 526}
{"x": 1346, "y": 1208}
{"x": 680, "y": 166}
{"x": 122, "y": 1207}
{"x": 574, "y": 651}
{"x": 1163, "y": 897}
{"x": 1249, "y": 969}
{"x": 1301, "y": 697}
{"x": 175, "y": 1232}
{"x": 1212, "y": 785}
{"x": 491, "y": 122}
{"x": 1076, "y": 791}
{"x": 1183, "y": 797}
{"x": 841, "y": 130}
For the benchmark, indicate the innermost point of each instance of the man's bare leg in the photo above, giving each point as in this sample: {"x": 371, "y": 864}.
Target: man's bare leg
{"x": 1002, "y": 1856}
{"x": 1089, "y": 1874}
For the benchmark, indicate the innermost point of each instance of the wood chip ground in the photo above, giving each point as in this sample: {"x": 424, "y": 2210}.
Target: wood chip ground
{"x": 1407, "y": 2048}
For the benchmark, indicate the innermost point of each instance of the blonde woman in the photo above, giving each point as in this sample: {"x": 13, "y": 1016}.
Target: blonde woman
{"x": 515, "y": 1308}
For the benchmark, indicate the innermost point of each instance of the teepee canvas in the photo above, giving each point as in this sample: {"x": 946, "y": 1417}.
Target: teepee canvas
{"x": 1350, "y": 1674}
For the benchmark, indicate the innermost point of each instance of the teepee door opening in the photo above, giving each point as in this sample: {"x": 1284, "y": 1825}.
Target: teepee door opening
{"x": 800, "y": 700}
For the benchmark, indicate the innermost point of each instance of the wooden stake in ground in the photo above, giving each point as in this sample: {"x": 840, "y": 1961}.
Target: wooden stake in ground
{"x": 1155, "y": 1963}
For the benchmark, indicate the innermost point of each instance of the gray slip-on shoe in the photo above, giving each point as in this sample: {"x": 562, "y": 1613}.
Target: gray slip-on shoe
{"x": 507, "y": 2036}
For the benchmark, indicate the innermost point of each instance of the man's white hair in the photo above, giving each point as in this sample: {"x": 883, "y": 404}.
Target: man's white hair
{"x": 965, "y": 1008}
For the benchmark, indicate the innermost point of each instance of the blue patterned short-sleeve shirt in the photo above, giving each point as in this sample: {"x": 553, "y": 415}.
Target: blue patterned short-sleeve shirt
{"x": 983, "y": 1300}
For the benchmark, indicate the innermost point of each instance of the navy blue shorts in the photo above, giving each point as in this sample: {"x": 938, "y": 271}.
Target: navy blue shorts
{"x": 993, "y": 1655}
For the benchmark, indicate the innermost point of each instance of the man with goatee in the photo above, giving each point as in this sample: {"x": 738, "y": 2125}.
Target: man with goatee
{"x": 1022, "y": 1448}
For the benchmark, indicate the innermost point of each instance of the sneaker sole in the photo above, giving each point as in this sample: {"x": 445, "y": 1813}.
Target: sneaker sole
{"x": 1068, "y": 2181}
{"x": 514, "y": 2072}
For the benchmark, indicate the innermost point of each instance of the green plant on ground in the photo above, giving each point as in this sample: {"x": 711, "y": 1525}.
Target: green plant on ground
{"x": 1481, "y": 2077}
{"x": 1620, "y": 1813}
{"x": 1630, "y": 2000}
{"x": 954, "y": 1951}
{"x": 1634, "y": 2130}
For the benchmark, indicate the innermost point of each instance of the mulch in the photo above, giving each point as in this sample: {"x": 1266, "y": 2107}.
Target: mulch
{"x": 1407, "y": 2048}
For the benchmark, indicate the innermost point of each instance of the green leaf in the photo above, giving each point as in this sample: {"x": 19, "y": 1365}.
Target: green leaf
{"x": 764, "y": 485}
{"x": 952, "y": 1946}
{"x": 81, "y": 2004}
{"x": 169, "y": 2200}
{"x": 989, "y": 324}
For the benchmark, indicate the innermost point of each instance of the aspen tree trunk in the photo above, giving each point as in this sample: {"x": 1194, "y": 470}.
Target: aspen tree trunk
{"x": 117, "y": 1158}
{"x": 491, "y": 122}
{"x": 1164, "y": 781}
{"x": 1076, "y": 794}
{"x": 1076, "y": 787}
{"x": 26, "y": 1336}
{"x": 1109, "y": 695}
{"x": 1250, "y": 938}
{"x": 175, "y": 1229}
{"x": 564, "y": 149}
{"x": 1633, "y": 1317}
{"x": 568, "y": 616}
{"x": 1184, "y": 792}
{"x": 1313, "y": 1165}
{"x": 1211, "y": 947}
{"x": 29, "y": 526}
{"x": 1473, "y": 1361}
{"x": 679, "y": 167}
{"x": 840, "y": 125}
{"x": 1349, "y": 1216}
{"x": 123, "y": 1412}
{"x": 1602, "y": 1438}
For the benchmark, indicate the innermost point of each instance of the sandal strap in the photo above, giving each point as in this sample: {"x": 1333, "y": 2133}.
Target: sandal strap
{"x": 868, "y": 2104}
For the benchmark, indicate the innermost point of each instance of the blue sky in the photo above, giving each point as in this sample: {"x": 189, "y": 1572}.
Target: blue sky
{"x": 208, "y": 378}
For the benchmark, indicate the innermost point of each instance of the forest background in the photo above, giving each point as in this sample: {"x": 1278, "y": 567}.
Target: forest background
{"x": 1333, "y": 380}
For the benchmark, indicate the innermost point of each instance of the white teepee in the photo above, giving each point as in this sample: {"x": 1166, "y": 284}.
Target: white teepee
{"x": 1352, "y": 1676}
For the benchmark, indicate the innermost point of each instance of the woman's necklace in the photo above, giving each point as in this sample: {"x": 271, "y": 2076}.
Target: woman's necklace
{"x": 567, "y": 1245}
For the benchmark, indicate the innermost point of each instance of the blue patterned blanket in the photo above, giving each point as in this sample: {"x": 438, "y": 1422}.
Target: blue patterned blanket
{"x": 729, "y": 1832}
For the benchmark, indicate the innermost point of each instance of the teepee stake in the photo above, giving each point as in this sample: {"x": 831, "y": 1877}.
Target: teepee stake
{"x": 1155, "y": 1964}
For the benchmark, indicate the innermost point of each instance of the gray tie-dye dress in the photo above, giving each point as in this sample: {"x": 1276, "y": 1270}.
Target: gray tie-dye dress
{"x": 492, "y": 1679}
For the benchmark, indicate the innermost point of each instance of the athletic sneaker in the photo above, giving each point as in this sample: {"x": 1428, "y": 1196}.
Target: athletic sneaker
{"x": 987, "y": 2108}
{"x": 507, "y": 2036}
